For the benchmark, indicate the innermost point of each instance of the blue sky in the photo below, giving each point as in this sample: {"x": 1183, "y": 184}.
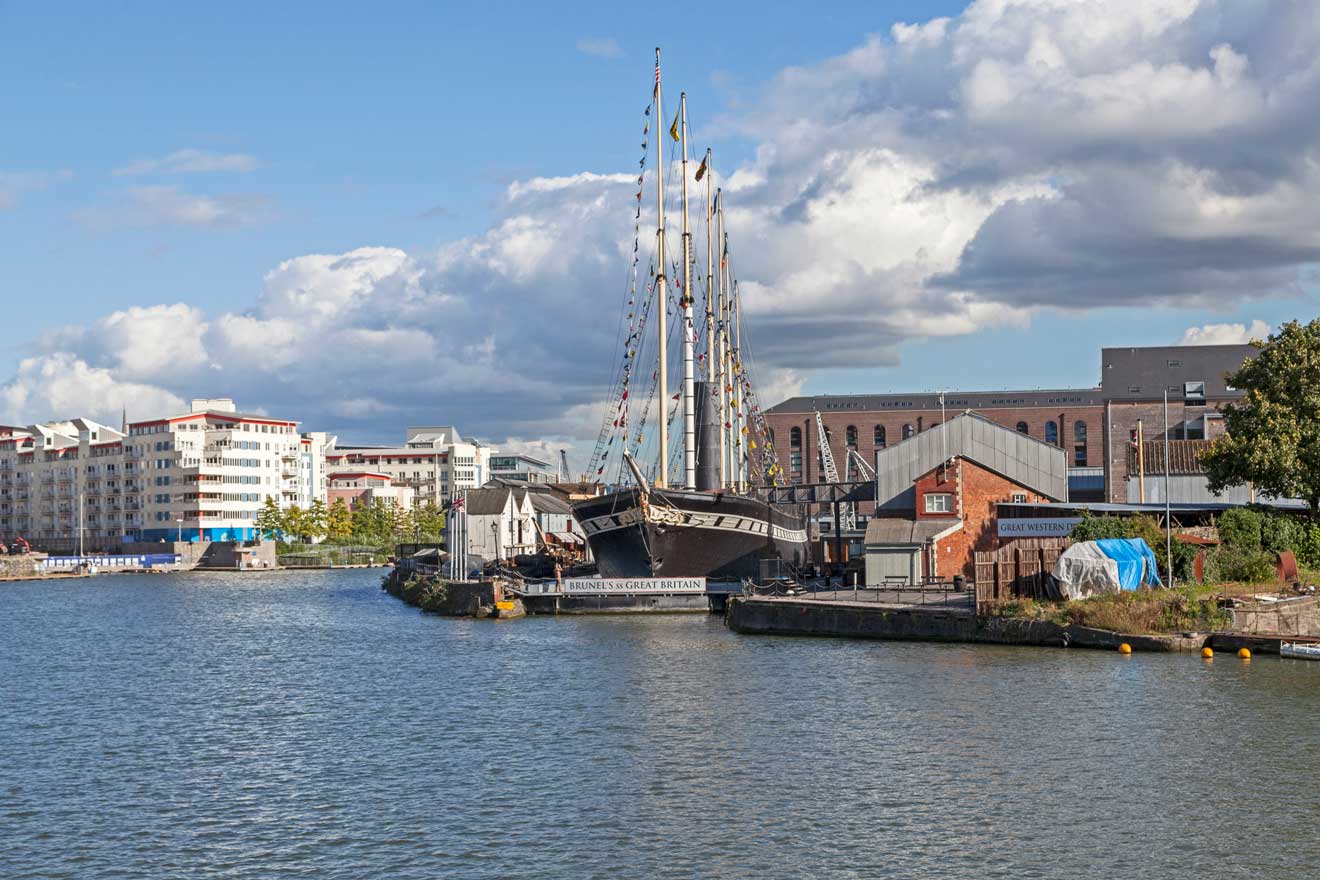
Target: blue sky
{"x": 403, "y": 125}
{"x": 394, "y": 124}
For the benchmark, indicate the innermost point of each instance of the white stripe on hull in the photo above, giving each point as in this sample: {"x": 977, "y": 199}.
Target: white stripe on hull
{"x": 691, "y": 519}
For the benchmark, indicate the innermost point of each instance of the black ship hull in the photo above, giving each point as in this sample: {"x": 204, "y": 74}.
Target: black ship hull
{"x": 677, "y": 533}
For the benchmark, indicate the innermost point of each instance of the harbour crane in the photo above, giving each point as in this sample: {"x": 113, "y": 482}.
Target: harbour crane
{"x": 563, "y": 466}
{"x": 847, "y": 512}
{"x": 858, "y": 462}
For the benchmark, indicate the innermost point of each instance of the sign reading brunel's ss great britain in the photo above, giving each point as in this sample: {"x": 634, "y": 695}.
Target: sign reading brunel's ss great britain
{"x": 635, "y": 585}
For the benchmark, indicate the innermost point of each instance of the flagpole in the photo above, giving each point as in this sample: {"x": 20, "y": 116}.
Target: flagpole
{"x": 689, "y": 392}
{"x": 710, "y": 280}
{"x": 721, "y": 376}
{"x": 662, "y": 297}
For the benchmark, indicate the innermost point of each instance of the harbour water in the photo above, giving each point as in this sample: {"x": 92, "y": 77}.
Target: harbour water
{"x": 308, "y": 725}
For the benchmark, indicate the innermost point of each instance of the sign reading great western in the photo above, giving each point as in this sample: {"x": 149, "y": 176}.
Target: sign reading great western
{"x": 634, "y": 585}
{"x": 1045, "y": 527}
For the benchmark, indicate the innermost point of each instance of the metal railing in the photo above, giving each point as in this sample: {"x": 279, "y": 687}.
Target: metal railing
{"x": 898, "y": 590}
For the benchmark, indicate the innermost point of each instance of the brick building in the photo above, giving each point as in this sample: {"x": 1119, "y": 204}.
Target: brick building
{"x": 1093, "y": 426}
{"x": 1071, "y": 419}
{"x": 937, "y": 495}
{"x": 1133, "y": 383}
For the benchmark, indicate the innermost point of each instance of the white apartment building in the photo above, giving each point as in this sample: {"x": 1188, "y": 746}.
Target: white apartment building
{"x": 436, "y": 462}
{"x": 59, "y": 477}
{"x": 203, "y": 475}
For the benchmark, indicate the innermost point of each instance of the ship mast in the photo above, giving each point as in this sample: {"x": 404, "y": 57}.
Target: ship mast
{"x": 689, "y": 396}
{"x": 662, "y": 296}
{"x": 739, "y": 444}
{"x": 726, "y": 349}
{"x": 710, "y": 279}
{"x": 721, "y": 376}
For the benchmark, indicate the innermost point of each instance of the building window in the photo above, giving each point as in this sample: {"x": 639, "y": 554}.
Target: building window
{"x": 939, "y": 502}
{"x": 879, "y": 436}
{"x": 907, "y": 431}
{"x": 1022, "y": 428}
{"x": 850, "y": 439}
{"x": 795, "y": 455}
{"x": 1052, "y": 433}
{"x": 1079, "y": 444}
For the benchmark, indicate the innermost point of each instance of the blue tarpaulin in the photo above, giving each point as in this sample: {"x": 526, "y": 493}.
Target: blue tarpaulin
{"x": 1136, "y": 562}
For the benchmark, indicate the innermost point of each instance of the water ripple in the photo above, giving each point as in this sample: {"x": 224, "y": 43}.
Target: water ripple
{"x": 289, "y": 726}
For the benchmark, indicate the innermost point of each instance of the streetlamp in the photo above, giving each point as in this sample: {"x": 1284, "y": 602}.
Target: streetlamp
{"x": 495, "y": 536}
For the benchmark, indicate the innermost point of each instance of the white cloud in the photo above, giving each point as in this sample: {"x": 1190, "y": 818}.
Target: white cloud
{"x": 605, "y": 47}
{"x": 160, "y": 205}
{"x": 1225, "y": 334}
{"x": 61, "y": 385}
{"x": 14, "y": 183}
{"x": 141, "y": 342}
{"x": 951, "y": 176}
{"x": 189, "y": 161}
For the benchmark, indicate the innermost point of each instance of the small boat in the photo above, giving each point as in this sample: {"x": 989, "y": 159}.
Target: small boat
{"x": 1300, "y": 650}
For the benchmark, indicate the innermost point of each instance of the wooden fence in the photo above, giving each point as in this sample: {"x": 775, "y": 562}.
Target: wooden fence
{"x": 1019, "y": 570}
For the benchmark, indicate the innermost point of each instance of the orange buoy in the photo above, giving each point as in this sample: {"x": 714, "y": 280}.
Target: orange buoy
{"x": 1207, "y": 653}
{"x": 1244, "y": 653}
{"x": 1125, "y": 648}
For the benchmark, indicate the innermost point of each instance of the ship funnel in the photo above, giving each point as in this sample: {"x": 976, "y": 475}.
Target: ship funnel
{"x": 708, "y": 438}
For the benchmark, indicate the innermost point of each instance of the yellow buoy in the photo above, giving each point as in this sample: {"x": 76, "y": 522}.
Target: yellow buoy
{"x": 1125, "y": 648}
{"x": 1244, "y": 653}
{"x": 1207, "y": 653}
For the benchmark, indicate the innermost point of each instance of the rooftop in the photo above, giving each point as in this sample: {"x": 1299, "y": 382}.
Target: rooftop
{"x": 1025, "y": 460}
{"x": 1145, "y": 373}
{"x": 906, "y": 532}
{"x": 930, "y": 400}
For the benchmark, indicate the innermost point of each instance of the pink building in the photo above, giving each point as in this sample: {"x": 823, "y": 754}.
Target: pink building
{"x": 362, "y": 488}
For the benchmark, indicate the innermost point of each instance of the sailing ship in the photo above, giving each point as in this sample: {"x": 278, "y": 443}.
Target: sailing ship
{"x": 712, "y": 524}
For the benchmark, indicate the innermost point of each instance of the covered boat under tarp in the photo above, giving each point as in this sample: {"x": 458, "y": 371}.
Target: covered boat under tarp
{"x": 1089, "y": 568}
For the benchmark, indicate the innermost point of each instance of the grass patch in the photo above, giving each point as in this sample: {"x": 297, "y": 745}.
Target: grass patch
{"x": 1188, "y": 609}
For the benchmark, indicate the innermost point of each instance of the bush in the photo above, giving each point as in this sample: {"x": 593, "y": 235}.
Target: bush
{"x": 1308, "y": 546}
{"x": 1280, "y": 533}
{"x": 1226, "y": 564}
{"x": 1240, "y": 528}
{"x": 1146, "y": 611}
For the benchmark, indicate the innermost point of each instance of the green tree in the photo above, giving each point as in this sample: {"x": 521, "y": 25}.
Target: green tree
{"x": 397, "y": 522}
{"x": 316, "y": 519}
{"x": 270, "y": 519}
{"x": 429, "y": 521}
{"x": 338, "y": 521}
{"x": 371, "y": 523}
{"x": 296, "y": 523}
{"x": 1273, "y": 432}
